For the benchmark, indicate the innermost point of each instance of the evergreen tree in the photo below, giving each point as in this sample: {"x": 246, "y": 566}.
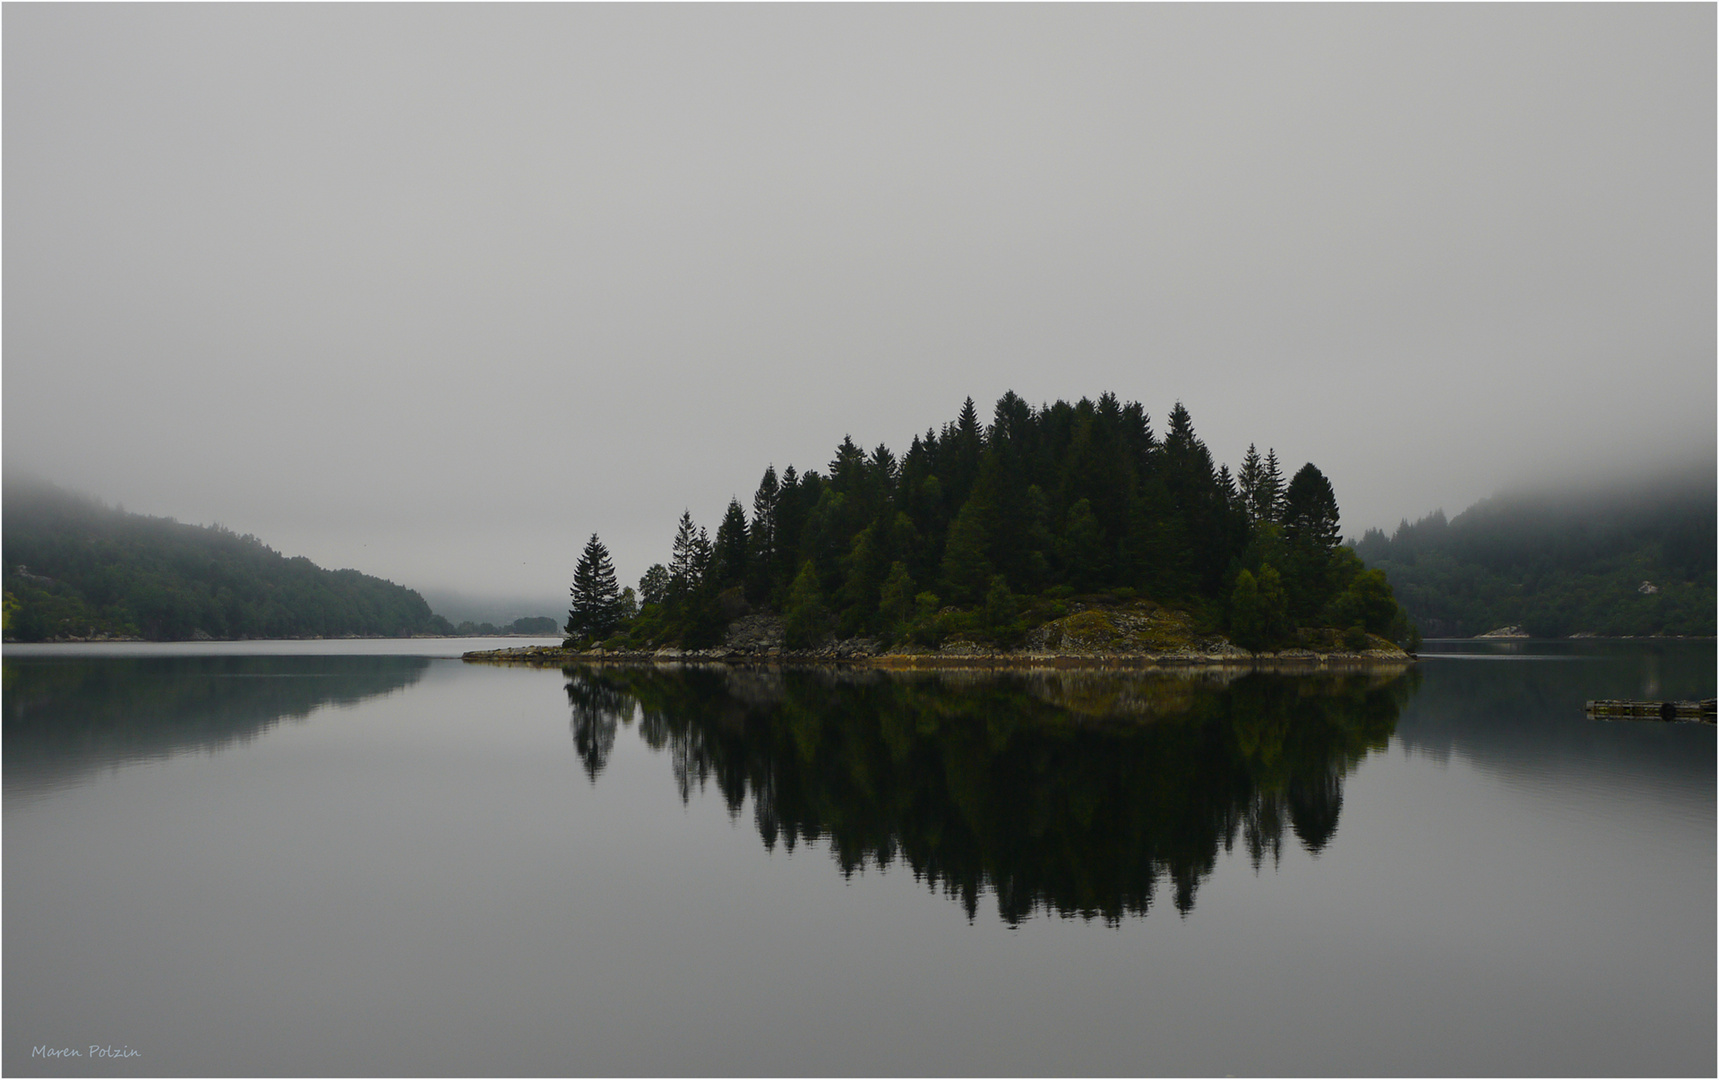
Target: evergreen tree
{"x": 701, "y": 557}
{"x": 895, "y": 605}
{"x": 965, "y": 444}
{"x": 683, "y": 560}
{"x": 1270, "y": 499}
{"x": 1085, "y": 555}
{"x": 966, "y": 567}
{"x": 1248, "y": 484}
{"x": 596, "y": 609}
{"x": 728, "y": 555}
{"x": 1310, "y": 510}
{"x": 1310, "y": 534}
{"x": 1227, "y": 486}
{"x": 761, "y": 537}
{"x": 808, "y": 620}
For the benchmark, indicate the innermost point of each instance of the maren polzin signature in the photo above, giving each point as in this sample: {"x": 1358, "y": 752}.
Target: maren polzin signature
{"x": 89, "y": 1052}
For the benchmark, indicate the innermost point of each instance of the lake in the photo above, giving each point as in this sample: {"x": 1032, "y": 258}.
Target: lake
{"x": 371, "y": 858}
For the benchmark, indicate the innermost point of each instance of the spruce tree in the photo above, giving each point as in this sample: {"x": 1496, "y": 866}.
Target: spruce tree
{"x": 1311, "y": 537}
{"x": 1248, "y": 484}
{"x": 596, "y": 609}
{"x": 1310, "y": 510}
{"x": 761, "y": 537}
{"x": 728, "y": 556}
{"x": 1271, "y": 489}
{"x": 684, "y": 571}
{"x": 966, "y": 568}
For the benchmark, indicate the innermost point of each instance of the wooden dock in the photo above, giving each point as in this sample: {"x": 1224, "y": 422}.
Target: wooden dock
{"x": 1688, "y": 712}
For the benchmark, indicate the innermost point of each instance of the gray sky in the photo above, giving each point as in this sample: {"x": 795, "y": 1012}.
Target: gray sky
{"x": 435, "y": 292}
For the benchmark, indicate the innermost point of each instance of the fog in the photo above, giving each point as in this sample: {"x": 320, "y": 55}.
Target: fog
{"x": 437, "y": 292}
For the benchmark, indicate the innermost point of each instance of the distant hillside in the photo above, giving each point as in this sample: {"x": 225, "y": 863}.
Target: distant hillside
{"x": 1635, "y": 561}
{"x": 75, "y": 568}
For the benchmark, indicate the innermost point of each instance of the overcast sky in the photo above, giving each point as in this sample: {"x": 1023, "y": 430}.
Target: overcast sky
{"x": 436, "y": 292}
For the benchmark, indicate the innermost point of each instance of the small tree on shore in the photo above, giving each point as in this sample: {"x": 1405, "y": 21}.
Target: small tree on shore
{"x": 596, "y": 611}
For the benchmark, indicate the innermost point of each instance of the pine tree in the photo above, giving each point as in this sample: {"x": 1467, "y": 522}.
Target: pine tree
{"x": 966, "y": 569}
{"x": 1270, "y": 499}
{"x": 1310, "y": 533}
{"x": 761, "y": 537}
{"x": 728, "y": 556}
{"x": 1310, "y": 510}
{"x": 684, "y": 571}
{"x": 701, "y": 557}
{"x": 596, "y": 609}
{"x": 1085, "y": 555}
{"x": 1249, "y": 482}
{"x": 1227, "y": 485}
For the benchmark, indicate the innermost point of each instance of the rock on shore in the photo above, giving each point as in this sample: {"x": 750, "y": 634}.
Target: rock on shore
{"x": 1136, "y": 635}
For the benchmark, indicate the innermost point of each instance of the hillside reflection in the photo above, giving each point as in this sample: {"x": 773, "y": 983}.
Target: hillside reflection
{"x": 65, "y": 717}
{"x": 1079, "y": 794}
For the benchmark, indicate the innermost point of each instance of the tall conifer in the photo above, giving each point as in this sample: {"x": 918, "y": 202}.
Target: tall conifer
{"x": 596, "y": 608}
{"x": 1271, "y": 489}
{"x": 729, "y": 556}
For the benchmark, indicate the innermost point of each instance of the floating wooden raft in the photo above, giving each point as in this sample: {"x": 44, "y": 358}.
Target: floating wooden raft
{"x": 1700, "y": 712}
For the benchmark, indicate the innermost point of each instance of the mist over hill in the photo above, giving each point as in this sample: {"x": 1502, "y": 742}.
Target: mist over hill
{"x": 77, "y": 569}
{"x": 1628, "y": 558}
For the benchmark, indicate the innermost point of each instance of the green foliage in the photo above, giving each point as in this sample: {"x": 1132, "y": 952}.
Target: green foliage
{"x": 966, "y": 570}
{"x": 729, "y": 557}
{"x": 654, "y": 585}
{"x": 596, "y": 612}
{"x": 76, "y": 568}
{"x": 895, "y": 606}
{"x": 1259, "y": 611}
{"x": 808, "y": 620}
{"x": 1001, "y": 609}
{"x": 1561, "y": 564}
{"x": 1056, "y": 501}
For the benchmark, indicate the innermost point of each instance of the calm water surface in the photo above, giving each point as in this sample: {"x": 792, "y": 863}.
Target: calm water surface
{"x": 370, "y": 858}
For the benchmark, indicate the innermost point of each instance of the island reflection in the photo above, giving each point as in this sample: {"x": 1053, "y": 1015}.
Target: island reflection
{"x": 1074, "y": 793}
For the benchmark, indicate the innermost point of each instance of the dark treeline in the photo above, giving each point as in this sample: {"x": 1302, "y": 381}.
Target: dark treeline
{"x": 530, "y": 625}
{"x": 76, "y": 568}
{"x": 1036, "y": 791}
{"x": 1633, "y": 562}
{"x": 977, "y": 530}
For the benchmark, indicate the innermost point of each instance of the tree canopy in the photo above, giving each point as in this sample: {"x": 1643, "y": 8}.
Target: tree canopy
{"x": 1042, "y": 504}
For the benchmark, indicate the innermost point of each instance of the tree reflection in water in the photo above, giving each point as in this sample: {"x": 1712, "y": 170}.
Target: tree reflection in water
{"x": 1076, "y": 793}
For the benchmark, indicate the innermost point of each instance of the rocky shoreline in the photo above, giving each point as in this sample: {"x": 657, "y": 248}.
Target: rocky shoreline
{"x": 862, "y": 653}
{"x": 1138, "y": 636}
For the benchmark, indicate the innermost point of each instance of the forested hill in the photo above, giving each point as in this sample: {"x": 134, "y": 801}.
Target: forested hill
{"x": 982, "y": 532}
{"x": 75, "y": 568}
{"x": 1625, "y": 561}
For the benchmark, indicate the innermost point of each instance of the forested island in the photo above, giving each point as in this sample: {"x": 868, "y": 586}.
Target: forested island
{"x": 1064, "y": 528}
{"x": 1609, "y": 561}
{"x": 79, "y": 570}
